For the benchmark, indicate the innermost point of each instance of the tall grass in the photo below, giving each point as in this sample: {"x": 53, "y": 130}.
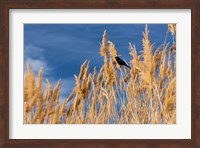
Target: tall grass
{"x": 146, "y": 94}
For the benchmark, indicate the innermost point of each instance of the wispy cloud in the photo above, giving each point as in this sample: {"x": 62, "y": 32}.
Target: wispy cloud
{"x": 34, "y": 56}
{"x": 36, "y": 64}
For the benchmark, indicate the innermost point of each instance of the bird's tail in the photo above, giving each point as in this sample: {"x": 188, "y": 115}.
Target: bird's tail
{"x": 128, "y": 66}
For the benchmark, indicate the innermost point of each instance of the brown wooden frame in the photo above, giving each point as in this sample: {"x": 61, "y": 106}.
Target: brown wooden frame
{"x": 5, "y": 5}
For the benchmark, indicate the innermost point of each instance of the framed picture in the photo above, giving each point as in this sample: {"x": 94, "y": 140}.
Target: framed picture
{"x": 107, "y": 74}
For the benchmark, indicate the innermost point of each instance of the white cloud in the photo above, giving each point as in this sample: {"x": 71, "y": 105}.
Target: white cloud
{"x": 36, "y": 64}
{"x": 34, "y": 56}
{"x": 32, "y": 51}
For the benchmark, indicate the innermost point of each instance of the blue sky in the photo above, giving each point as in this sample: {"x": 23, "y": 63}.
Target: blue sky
{"x": 61, "y": 48}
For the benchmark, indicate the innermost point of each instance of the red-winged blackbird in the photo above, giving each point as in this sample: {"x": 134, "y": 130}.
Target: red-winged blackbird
{"x": 121, "y": 62}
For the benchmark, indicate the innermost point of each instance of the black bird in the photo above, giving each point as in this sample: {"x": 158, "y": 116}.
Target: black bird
{"x": 121, "y": 62}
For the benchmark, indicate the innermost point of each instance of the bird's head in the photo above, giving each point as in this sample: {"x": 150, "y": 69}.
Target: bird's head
{"x": 117, "y": 57}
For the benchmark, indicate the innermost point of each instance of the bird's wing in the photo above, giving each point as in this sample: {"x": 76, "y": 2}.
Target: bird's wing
{"x": 119, "y": 60}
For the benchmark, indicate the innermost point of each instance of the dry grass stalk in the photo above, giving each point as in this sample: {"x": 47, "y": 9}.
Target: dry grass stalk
{"x": 172, "y": 28}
